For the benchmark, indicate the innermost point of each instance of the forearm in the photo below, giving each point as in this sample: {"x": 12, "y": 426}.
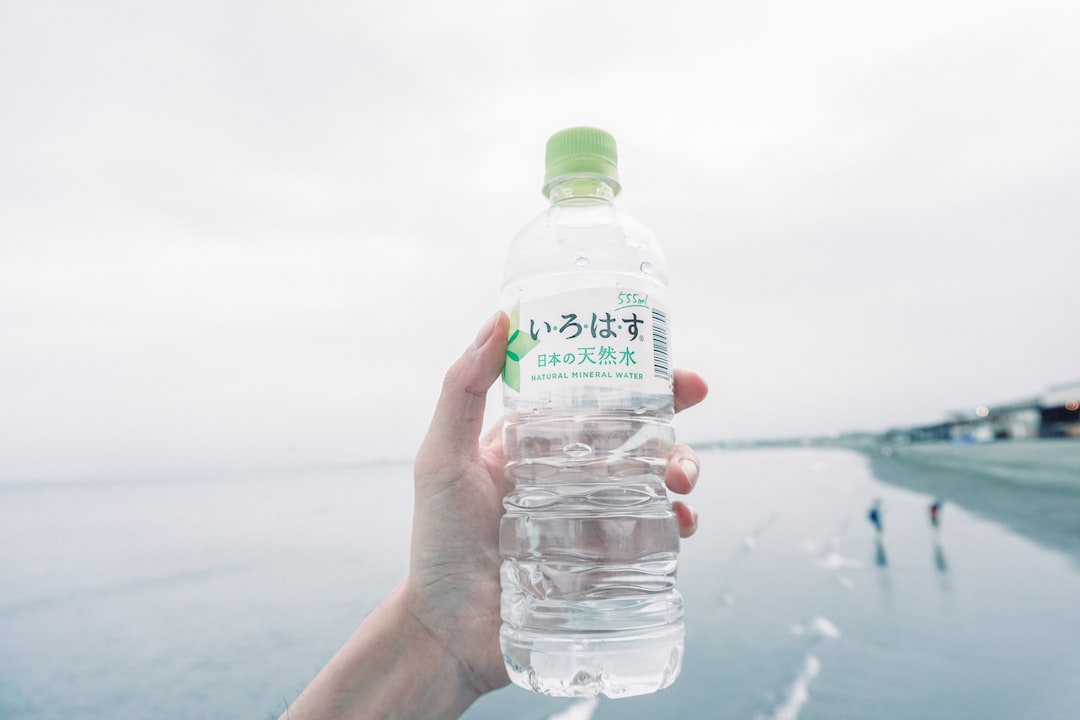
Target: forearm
{"x": 391, "y": 667}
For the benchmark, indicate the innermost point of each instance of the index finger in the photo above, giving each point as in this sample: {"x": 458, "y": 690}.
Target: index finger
{"x": 690, "y": 389}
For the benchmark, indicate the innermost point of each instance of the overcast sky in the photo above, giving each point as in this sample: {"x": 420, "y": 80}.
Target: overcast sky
{"x": 251, "y": 233}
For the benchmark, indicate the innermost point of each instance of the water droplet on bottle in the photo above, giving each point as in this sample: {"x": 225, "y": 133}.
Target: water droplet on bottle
{"x": 646, "y": 267}
{"x": 640, "y": 410}
{"x": 582, "y": 261}
{"x": 576, "y": 450}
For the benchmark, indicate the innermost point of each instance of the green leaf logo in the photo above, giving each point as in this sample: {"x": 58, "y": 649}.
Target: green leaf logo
{"x": 518, "y": 345}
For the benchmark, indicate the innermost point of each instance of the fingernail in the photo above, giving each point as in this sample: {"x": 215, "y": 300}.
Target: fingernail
{"x": 690, "y": 468}
{"x": 485, "y": 331}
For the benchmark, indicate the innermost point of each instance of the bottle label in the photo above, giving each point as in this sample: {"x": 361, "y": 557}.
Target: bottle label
{"x": 599, "y": 336}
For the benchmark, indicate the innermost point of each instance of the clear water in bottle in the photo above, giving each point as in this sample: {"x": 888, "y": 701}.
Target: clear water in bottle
{"x": 589, "y": 541}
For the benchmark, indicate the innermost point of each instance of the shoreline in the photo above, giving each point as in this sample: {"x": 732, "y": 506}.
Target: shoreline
{"x": 1031, "y": 487}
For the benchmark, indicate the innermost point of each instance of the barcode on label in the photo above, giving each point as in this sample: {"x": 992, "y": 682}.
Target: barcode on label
{"x": 661, "y": 362}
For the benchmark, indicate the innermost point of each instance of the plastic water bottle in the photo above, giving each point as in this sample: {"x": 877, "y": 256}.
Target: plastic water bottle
{"x": 589, "y": 542}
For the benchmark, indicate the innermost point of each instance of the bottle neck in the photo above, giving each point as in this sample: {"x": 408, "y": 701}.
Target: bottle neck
{"x": 582, "y": 190}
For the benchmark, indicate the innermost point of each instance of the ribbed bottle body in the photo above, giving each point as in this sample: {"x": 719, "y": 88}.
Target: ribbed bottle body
{"x": 588, "y": 540}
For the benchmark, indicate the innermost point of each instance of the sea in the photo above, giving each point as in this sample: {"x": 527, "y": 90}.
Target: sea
{"x": 221, "y": 596}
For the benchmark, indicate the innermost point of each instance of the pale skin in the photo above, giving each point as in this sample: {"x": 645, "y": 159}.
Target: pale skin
{"x": 431, "y": 647}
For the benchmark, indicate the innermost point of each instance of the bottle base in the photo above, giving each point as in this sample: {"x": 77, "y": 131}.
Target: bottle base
{"x": 584, "y": 665}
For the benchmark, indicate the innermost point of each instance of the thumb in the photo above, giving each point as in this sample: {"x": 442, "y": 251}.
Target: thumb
{"x": 459, "y": 414}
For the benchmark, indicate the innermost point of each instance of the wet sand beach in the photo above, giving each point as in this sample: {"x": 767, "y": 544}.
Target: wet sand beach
{"x": 221, "y": 596}
{"x": 1032, "y": 487}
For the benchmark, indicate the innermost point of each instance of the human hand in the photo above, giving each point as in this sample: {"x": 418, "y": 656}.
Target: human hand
{"x": 453, "y": 584}
{"x": 432, "y": 647}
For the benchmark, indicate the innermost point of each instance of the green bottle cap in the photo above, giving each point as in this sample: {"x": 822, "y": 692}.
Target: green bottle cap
{"x": 581, "y": 152}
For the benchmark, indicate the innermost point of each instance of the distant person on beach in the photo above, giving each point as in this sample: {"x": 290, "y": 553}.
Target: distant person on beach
{"x": 431, "y": 647}
{"x": 935, "y": 512}
{"x": 874, "y": 514}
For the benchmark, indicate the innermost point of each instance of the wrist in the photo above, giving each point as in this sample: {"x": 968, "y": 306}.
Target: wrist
{"x": 392, "y": 667}
{"x": 437, "y": 673}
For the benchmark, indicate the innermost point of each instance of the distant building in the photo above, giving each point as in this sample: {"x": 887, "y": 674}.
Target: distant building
{"x": 1055, "y": 414}
{"x": 1015, "y": 421}
{"x": 971, "y": 427}
{"x": 1059, "y": 411}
